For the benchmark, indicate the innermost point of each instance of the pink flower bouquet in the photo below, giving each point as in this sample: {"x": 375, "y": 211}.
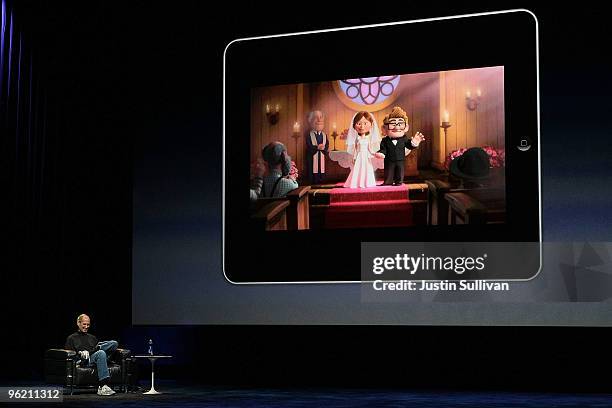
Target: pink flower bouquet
{"x": 293, "y": 173}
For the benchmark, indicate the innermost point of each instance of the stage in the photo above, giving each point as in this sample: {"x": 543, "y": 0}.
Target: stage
{"x": 181, "y": 395}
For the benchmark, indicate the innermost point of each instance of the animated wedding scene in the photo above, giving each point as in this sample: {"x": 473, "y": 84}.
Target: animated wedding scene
{"x": 387, "y": 151}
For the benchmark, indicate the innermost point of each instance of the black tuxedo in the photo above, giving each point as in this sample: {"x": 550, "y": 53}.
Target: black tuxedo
{"x": 394, "y": 158}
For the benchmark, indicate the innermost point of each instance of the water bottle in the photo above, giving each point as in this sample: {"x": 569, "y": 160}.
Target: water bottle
{"x": 150, "y": 347}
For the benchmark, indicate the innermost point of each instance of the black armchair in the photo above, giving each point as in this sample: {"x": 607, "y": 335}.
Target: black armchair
{"x": 61, "y": 368}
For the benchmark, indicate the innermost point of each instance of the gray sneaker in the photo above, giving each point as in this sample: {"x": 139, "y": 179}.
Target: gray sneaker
{"x": 105, "y": 390}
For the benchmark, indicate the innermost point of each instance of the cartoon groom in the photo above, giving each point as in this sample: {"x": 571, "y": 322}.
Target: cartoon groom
{"x": 317, "y": 144}
{"x": 396, "y": 145}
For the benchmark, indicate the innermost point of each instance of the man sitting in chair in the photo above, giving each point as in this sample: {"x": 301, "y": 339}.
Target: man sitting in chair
{"x": 93, "y": 352}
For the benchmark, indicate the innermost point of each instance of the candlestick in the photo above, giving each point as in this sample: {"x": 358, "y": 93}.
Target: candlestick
{"x": 296, "y": 135}
{"x": 445, "y": 125}
{"x": 334, "y": 135}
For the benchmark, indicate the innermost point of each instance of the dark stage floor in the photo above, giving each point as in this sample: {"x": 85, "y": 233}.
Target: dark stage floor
{"x": 176, "y": 395}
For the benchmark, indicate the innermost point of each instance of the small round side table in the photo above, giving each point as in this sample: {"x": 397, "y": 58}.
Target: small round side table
{"x": 152, "y": 358}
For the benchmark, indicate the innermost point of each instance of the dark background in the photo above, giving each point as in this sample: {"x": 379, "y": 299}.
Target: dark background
{"x": 109, "y": 74}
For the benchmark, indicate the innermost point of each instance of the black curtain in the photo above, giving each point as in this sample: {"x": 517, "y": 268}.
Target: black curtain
{"x": 66, "y": 182}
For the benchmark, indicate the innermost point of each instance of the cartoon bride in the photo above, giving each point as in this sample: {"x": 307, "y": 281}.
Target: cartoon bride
{"x": 362, "y": 142}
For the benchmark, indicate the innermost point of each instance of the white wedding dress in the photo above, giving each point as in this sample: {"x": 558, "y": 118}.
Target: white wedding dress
{"x": 363, "y": 149}
{"x": 362, "y": 173}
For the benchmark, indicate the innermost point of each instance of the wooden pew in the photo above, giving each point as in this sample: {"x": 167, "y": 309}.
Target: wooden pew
{"x": 271, "y": 216}
{"x": 297, "y": 212}
{"x": 438, "y": 206}
{"x": 485, "y": 206}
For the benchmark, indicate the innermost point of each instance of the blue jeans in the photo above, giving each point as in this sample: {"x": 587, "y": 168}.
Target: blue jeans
{"x": 100, "y": 357}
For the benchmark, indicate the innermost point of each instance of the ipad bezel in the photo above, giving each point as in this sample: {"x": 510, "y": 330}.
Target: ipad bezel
{"x": 505, "y": 38}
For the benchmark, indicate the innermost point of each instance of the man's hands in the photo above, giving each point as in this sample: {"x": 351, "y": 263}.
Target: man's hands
{"x": 418, "y": 138}
{"x": 321, "y": 146}
{"x": 84, "y": 354}
{"x": 379, "y": 155}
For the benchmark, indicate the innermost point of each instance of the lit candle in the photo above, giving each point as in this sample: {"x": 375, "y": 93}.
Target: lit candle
{"x": 334, "y": 126}
{"x": 267, "y": 108}
{"x": 296, "y": 127}
{"x": 468, "y": 94}
{"x": 446, "y": 117}
{"x": 277, "y": 108}
{"x": 478, "y": 93}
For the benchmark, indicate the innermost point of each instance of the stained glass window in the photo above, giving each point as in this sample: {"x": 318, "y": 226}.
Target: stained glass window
{"x": 369, "y": 91}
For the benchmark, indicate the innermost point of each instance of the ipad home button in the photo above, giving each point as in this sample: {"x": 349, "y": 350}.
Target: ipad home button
{"x": 524, "y": 144}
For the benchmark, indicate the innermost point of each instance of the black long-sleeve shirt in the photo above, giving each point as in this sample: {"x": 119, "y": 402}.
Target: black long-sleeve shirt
{"x": 79, "y": 341}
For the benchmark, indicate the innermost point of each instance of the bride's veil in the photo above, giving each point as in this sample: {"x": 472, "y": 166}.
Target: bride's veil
{"x": 352, "y": 136}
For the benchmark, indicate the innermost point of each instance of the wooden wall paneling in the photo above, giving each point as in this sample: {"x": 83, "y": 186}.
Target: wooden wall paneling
{"x": 436, "y": 119}
{"x": 279, "y": 128}
{"x": 266, "y": 131}
{"x": 287, "y": 109}
{"x": 471, "y": 136}
{"x": 482, "y": 83}
{"x": 291, "y": 109}
{"x": 437, "y": 137}
{"x": 489, "y": 101}
{"x": 340, "y": 124}
{"x": 307, "y": 103}
{"x": 417, "y": 107}
{"x": 501, "y": 136}
{"x": 463, "y": 140}
{"x": 489, "y": 105}
{"x": 451, "y": 140}
{"x": 459, "y": 124}
{"x": 463, "y": 115}
{"x": 299, "y": 114}
{"x": 491, "y": 115}
{"x": 262, "y": 123}
{"x": 423, "y": 96}
{"x": 430, "y": 111}
{"x": 482, "y": 117}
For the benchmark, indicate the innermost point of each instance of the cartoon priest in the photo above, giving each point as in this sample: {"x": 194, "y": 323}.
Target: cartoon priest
{"x": 317, "y": 144}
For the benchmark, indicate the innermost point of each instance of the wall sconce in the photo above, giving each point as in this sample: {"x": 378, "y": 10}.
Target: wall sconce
{"x": 272, "y": 115}
{"x": 472, "y": 102}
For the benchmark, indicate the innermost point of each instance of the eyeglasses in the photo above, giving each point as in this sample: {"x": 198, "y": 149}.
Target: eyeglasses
{"x": 399, "y": 125}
